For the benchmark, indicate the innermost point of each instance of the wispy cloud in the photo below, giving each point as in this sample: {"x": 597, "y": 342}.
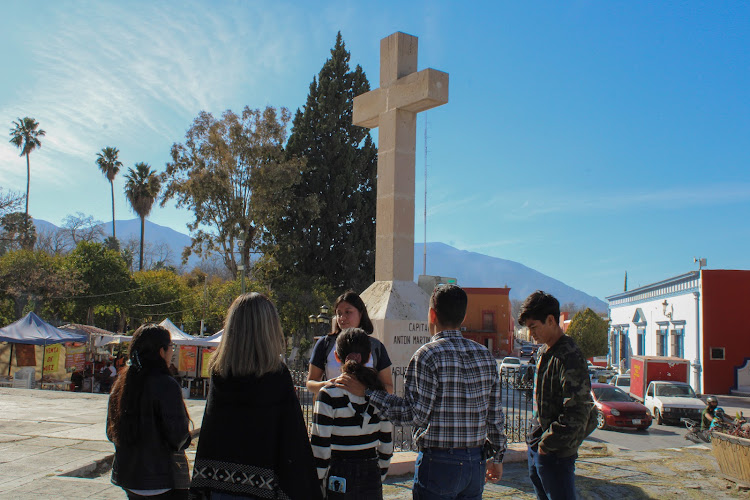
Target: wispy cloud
{"x": 529, "y": 204}
{"x": 110, "y": 73}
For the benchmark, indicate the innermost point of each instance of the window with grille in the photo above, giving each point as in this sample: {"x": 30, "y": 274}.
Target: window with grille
{"x": 488, "y": 321}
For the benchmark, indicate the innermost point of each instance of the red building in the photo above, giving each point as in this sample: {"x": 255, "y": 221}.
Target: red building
{"x": 488, "y": 319}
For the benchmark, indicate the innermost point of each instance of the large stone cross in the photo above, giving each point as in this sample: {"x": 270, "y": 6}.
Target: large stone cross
{"x": 393, "y": 108}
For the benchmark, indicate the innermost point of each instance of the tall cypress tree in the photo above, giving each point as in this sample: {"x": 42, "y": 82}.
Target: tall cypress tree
{"x": 329, "y": 229}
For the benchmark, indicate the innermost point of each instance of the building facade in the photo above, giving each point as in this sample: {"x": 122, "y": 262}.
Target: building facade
{"x": 694, "y": 316}
{"x": 488, "y": 319}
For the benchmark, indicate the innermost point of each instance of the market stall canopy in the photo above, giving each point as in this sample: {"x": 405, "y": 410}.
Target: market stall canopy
{"x": 31, "y": 329}
{"x": 91, "y": 331}
{"x": 179, "y": 337}
{"x": 112, "y": 339}
{"x": 213, "y": 340}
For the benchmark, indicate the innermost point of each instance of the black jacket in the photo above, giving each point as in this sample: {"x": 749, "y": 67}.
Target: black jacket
{"x": 254, "y": 441}
{"x": 156, "y": 459}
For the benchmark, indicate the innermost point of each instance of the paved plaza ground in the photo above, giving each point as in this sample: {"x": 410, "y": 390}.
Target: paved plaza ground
{"x": 52, "y": 445}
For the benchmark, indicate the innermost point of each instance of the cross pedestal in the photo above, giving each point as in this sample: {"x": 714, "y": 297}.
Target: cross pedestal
{"x": 396, "y": 305}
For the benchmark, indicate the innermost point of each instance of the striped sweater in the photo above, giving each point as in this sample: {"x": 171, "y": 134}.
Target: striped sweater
{"x": 349, "y": 426}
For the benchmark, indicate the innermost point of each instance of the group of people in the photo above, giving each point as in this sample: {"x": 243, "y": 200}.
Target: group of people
{"x": 254, "y": 441}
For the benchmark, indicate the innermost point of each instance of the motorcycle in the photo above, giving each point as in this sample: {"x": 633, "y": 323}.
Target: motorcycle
{"x": 694, "y": 433}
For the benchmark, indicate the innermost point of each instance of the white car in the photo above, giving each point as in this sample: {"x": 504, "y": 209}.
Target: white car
{"x": 669, "y": 402}
{"x": 510, "y": 364}
{"x": 621, "y": 381}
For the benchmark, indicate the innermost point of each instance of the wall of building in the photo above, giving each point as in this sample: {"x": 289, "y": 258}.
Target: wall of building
{"x": 495, "y": 301}
{"x": 725, "y": 300}
{"x": 644, "y": 308}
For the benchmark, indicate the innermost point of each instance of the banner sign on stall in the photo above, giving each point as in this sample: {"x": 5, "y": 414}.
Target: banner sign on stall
{"x": 207, "y": 353}
{"x": 25, "y": 355}
{"x": 75, "y": 357}
{"x": 52, "y": 357}
{"x": 188, "y": 355}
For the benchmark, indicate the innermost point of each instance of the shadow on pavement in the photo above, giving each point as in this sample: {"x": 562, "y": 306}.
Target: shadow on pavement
{"x": 595, "y": 489}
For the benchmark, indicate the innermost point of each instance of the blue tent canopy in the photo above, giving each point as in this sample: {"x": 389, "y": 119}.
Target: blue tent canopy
{"x": 31, "y": 329}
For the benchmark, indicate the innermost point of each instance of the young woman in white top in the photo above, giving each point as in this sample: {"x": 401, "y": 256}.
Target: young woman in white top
{"x": 350, "y": 312}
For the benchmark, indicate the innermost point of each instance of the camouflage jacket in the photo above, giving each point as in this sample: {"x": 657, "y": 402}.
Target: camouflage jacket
{"x": 562, "y": 392}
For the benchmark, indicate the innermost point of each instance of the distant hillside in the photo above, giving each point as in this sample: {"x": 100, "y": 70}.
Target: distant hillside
{"x": 470, "y": 268}
{"x": 131, "y": 229}
{"x": 473, "y": 269}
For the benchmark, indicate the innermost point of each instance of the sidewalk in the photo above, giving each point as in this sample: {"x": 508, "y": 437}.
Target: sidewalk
{"x": 45, "y": 435}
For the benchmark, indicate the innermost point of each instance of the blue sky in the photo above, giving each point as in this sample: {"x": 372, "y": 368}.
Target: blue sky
{"x": 582, "y": 139}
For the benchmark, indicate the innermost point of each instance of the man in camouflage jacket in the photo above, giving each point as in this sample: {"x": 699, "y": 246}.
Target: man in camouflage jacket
{"x": 562, "y": 401}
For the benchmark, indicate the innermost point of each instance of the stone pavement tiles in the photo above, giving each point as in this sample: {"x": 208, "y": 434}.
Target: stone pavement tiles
{"x": 683, "y": 473}
{"x": 46, "y": 435}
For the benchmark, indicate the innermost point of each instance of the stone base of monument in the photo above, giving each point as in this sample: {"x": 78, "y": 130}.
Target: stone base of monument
{"x": 398, "y": 310}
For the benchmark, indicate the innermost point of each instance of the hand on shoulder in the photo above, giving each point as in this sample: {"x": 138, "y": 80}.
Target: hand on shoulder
{"x": 349, "y": 383}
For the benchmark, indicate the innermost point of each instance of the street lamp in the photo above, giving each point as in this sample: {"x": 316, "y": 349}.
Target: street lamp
{"x": 321, "y": 319}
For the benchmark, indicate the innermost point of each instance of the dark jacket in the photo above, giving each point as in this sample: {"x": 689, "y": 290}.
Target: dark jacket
{"x": 254, "y": 441}
{"x": 156, "y": 459}
{"x": 564, "y": 407}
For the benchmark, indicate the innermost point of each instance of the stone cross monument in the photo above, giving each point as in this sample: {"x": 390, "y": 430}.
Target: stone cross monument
{"x": 397, "y": 306}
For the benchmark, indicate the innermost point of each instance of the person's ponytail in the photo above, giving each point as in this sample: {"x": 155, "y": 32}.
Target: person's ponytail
{"x": 354, "y": 348}
{"x": 367, "y": 376}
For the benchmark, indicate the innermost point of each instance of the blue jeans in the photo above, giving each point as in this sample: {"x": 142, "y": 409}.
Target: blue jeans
{"x": 553, "y": 477}
{"x": 442, "y": 474}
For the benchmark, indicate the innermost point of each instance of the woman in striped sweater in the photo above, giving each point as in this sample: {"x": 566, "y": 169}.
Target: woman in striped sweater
{"x": 351, "y": 442}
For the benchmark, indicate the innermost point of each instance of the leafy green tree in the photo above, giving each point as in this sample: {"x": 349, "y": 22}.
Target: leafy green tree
{"x": 160, "y": 294}
{"x": 110, "y": 165}
{"x": 141, "y": 188}
{"x": 589, "y": 331}
{"x": 25, "y": 135}
{"x": 18, "y": 232}
{"x": 33, "y": 279}
{"x": 328, "y": 229}
{"x": 107, "y": 278}
{"x": 232, "y": 174}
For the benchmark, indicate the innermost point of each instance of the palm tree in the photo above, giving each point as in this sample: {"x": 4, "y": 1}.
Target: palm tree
{"x": 110, "y": 165}
{"x": 26, "y": 136}
{"x": 142, "y": 188}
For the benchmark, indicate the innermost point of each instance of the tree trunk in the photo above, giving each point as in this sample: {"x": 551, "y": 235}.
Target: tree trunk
{"x": 143, "y": 229}
{"x": 28, "y": 181}
{"x": 112, "y": 185}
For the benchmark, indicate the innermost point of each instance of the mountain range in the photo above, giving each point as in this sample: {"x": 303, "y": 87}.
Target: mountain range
{"x": 470, "y": 269}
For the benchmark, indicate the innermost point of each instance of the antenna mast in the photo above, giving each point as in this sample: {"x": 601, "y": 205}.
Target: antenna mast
{"x": 424, "y": 253}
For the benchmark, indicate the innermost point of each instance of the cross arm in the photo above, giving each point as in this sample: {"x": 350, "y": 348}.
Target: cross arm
{"x": 415, "y": 92}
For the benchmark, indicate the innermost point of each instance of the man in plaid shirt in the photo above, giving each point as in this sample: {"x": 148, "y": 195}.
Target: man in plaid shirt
{"x": 452, "y": 400}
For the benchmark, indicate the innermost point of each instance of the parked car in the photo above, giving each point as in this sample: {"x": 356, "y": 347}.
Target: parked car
{"x": 622, "y": 382}
{"x": 671, "y": 401}
{"x": 510, "y": 364}
{"x": 601, "y": 375}
{"x": 617, "y": 409}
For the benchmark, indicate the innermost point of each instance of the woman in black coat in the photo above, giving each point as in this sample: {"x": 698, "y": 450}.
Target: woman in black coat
{"x": 253, "y": 441}
{"x": 148, "y": 422}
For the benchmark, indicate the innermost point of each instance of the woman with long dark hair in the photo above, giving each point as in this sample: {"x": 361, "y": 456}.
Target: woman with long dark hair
{"x": 350, "y": 312}
{"x": 351, "y": 442}
{"x": 253, "y": 440}
{"x": 148, "y": 422}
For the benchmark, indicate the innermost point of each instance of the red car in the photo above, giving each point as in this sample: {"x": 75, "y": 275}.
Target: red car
{"x": 617, "y": 409}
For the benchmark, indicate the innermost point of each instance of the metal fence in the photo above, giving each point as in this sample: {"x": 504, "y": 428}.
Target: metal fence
{"x": 516, "y": 401}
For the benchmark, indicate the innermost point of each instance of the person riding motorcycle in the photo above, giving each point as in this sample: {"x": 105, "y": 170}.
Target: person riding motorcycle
{"x": 708, "y": 413}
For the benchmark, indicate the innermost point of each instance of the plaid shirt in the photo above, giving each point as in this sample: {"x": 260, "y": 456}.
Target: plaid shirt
{"x": 451, "y": 396}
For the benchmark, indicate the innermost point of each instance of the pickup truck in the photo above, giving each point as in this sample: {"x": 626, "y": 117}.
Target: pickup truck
{"x": 669, "y": 401}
